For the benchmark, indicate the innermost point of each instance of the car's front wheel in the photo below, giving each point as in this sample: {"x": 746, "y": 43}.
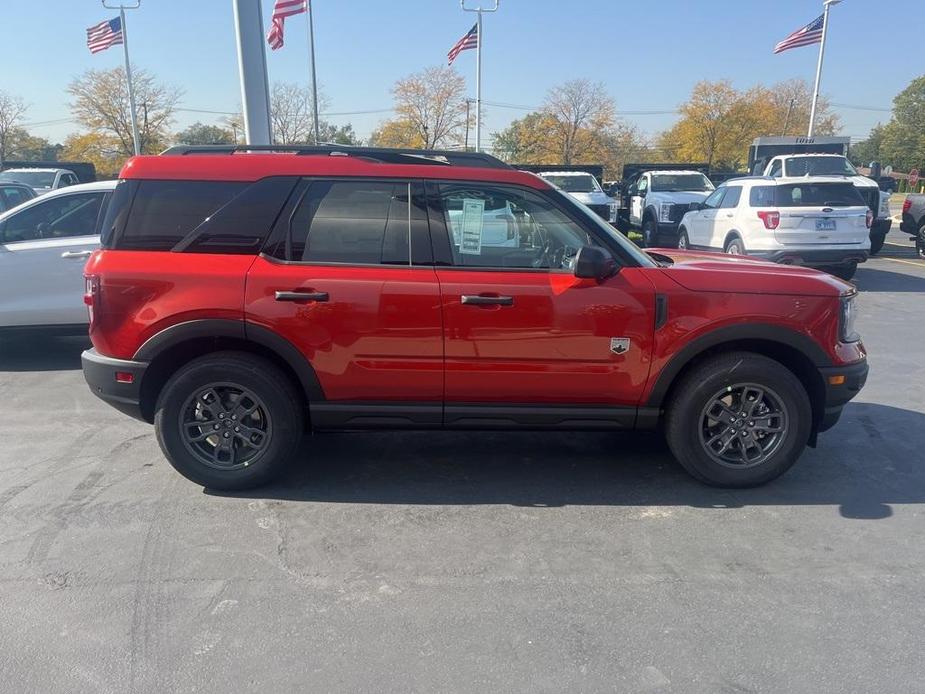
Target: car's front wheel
{"x": 920, "y": 240}
{"x": 649, "y": 233}
{"x": 738, "y": 420}
{"x": 229, "y": 421}
{"x": 684, "y": 243}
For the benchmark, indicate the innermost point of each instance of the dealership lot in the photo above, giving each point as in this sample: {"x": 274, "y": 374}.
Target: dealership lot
{"x": 483, "y": 561}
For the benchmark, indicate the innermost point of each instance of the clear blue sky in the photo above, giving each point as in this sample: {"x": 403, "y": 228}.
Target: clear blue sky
{"x": 648, "y": 53}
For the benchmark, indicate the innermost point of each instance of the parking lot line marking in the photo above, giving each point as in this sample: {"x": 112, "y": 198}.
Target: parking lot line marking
{"x": 907, "y": 262}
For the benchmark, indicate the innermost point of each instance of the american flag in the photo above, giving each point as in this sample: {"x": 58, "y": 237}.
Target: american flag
{"x": 811, "y": 33}
{"x": 470, "y": 40}
{"x": 105, "y": 34}
{"x": 281, "y": 10}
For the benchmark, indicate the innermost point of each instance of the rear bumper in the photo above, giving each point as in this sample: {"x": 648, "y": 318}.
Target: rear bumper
{"x": 100, "y": 374}
{"x": 908, "y": 224}
{"x": 813, "y": 257}
{"x": 837, "y": 395}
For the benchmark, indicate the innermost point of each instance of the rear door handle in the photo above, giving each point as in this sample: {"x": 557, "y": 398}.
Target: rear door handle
{"x": 76, "y": 254}
{"x": 479, "y": 300}
{"x": 301, "y": 296}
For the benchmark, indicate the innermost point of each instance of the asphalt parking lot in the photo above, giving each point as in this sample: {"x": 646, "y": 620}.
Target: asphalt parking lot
{"x": 466, "y": 562}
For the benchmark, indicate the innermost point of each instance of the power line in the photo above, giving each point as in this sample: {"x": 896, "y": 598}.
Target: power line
{"x": 863, "y": 108}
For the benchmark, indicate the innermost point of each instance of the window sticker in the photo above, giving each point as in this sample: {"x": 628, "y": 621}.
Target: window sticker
{"x": 471, "y": 228}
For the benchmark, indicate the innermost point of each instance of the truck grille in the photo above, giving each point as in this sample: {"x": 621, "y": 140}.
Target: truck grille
{"x": 678, "y": 210}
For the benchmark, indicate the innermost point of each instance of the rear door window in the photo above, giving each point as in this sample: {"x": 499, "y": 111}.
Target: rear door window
{"x": 54, "y": 218}
{"x": 352, "y": 222}
{"x": 818, "y": 195}
{"x": 731, "y": 198}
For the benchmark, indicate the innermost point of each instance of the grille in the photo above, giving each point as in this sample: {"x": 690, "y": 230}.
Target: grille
{"x": 678, "y": 210}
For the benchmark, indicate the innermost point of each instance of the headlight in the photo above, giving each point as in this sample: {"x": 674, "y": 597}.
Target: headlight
{"x": 664, "y": 212}
{"x": 849, "y": 310}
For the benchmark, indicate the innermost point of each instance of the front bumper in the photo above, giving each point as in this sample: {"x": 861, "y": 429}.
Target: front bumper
{"x": 813, "y": 257}
{"x": 842, "y": 384}
{"x": 100, "y": 374}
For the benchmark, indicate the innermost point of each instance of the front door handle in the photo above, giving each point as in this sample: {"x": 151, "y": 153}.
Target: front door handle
{"x": 76, "y": 254}
{"x": 301, "y": 296}
{"x": 479, "y": 300}
{"x": 729, "y": 214}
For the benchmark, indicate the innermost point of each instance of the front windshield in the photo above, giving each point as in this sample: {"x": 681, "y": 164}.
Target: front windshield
{"x": 819, "y": 166}
{"x": 36, "y": 179}
{"x": 625, "y": 244}
{"x": 574, "y": 183}
{"x": 674, "y": 183}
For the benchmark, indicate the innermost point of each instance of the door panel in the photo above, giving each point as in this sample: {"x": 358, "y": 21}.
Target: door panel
{"x": 41, "y": 282}
{"x": 552, "y": 343}
{"x": 377, "y": 337}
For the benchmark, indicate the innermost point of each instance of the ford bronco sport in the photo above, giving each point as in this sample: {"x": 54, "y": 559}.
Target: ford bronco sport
{"x": 243, "y": 297}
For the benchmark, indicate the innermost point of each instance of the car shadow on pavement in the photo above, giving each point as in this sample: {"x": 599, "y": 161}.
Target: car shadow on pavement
{"x": 869, "y": 279}
{"x": 37, "y": 352}
{"x": 868, "y": 462}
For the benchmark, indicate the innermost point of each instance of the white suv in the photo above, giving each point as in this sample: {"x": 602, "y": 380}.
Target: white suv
{"x": 820, "y": 221}
{"x": 44, "y": 245}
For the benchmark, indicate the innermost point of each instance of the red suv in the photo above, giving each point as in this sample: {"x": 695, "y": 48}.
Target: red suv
{"x": 243, "y": 298}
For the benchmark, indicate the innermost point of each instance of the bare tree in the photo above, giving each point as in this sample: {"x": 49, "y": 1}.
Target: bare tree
{"x": 431, "y": 111}
{"x": 101, "y": 104}
{"x": 12, "y": 109}
{"x": 580, "y": 109}
{"x": 292, "y": 118}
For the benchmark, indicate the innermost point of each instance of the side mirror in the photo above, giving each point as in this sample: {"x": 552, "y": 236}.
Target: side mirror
{"x": 694, "y": 206}
{"x": 594, "y": 263}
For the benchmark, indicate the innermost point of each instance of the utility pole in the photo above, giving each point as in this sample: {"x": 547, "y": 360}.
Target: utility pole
{"x": 825, "y": 26}
{"x": 252, "y": 68}
{"x": 478, "y": 67}
{"x": 311, "y": 48}
{"x": 128, "y": 68}
{"x": 787, "y": 119}
{"x": 468, "y": 103}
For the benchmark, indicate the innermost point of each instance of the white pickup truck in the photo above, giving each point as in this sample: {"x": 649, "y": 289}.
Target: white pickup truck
{"x": 809, "y": 164}
{"x": 656, "y": 200}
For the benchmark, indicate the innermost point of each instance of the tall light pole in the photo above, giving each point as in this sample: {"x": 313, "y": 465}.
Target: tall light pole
{"x": 252, "y": 66}
{"x": 136, "y": 141}
{"x": 478, "y": 67}
{"x": 825, "y": 26}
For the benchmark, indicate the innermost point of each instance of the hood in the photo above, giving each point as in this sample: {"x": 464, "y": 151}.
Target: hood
{"x": 718, "y": 272}
{"x": 595, "y": 198}
{"x": 684, "y": 196}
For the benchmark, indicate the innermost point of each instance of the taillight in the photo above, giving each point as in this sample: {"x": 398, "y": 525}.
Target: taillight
{"x": 91, "y": 294}
{"x": 870, "y": 218}
{"x": 771, "y": 219}
{"x": 907, "y": 203}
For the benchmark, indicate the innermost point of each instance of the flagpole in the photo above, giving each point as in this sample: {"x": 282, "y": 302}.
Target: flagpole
{"x": 128, "y": 70}
{"x": 825, "y": 25}
{"x": 311, "y": 44}
{"x": 478, "y": 67}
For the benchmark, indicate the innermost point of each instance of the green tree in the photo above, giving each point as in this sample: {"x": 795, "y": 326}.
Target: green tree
{"x": 12, "y": 109}
{"x": 202, "y": 134}
{"x": 903, "y": 138}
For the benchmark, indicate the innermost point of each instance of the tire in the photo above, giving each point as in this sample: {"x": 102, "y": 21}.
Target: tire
{"x": 876, "y": 243}
{"x": 920, "y": 240}
{"x": 684, "y": 243}
{"x": 735, "y": 246}
{"x": 845, "y": 272}
{"x": 649, "y": 233}
{"x": 732, "y": 377}
{"x": 202, "y": 393}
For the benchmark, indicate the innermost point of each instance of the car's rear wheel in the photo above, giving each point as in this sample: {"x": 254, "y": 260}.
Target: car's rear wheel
{"x": 876, "y": 243}
{"x": 649, "y": 233}
{"x": 229, "y": 421}
{"x": 920, "y": 240}
{"x": 738, "y": 420}
{"x": 684, "y": 242}
{"x": 845, "y": 272}
{"x": 735, "y": 246}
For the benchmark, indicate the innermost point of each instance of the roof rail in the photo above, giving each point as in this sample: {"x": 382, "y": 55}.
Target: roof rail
{"x": 384, "y": 155}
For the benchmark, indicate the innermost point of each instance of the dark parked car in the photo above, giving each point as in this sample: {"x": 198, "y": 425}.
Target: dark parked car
{"x": 13, "y": 194}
